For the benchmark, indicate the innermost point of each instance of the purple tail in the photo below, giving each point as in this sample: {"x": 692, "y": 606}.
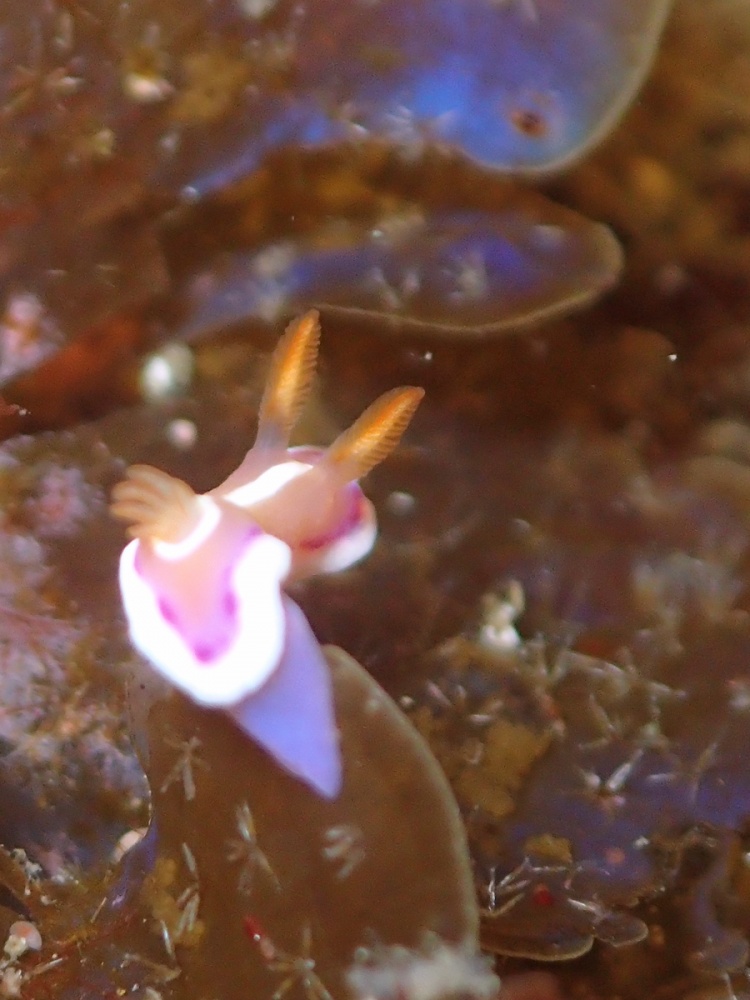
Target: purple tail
{"x": 292, "y": 715}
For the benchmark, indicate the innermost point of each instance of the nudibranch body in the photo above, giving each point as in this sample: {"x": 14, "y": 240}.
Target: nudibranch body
{"x": 202, "y": 579}
{"x": 310, "y": 497}
{"x": 328, "y": 524}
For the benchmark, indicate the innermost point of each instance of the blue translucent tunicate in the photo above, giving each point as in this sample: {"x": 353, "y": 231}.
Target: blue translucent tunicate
{"x": 523, "y": 86}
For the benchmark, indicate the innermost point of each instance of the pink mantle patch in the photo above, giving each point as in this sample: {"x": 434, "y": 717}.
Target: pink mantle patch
{"x": 209, "y": 615}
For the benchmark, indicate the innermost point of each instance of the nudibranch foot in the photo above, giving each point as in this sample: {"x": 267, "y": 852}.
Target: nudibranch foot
{"x": 292, "y": 715}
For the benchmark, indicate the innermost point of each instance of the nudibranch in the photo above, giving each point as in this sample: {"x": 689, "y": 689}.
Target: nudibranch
{"x": 202, "y": 579}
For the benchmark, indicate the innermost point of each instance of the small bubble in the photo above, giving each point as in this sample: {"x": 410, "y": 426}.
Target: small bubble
{"x": 275, "y": 262}
{"x": 670, "y": 279}
{"x": 256, "y": 9}
{"x": 400, "y": 503}
{"x": 167, "y": 372}
{"x": 549, "y": 237}
{"x": 146, "y": 89}
{"x": 182, "y": 434}
{"x": 102, "y": 143}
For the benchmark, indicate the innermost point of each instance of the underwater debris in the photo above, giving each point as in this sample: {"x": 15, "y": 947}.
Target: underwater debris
{"x": 500, "y": 611}
{"x": 344, "y": 847}
{"x": 246, "y": 850}
{"x": 295, "y": 970}
{"x": 183, "y": 769}
{"x": 435, "y": 971}
{"x": 174, "y": 911}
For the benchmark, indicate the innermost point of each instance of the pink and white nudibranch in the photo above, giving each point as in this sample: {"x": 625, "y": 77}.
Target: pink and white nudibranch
{"x": 202, "y": 579}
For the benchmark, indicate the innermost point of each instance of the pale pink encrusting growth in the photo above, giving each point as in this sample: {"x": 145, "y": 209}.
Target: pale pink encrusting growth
{"x": 62, "y": 499}
{"x": 27, "y": 334}
{"x": 202, "y": 580}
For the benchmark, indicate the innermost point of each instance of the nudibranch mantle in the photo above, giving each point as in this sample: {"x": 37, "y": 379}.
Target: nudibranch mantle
{"x": 191, "y": 604}
{"x": 346, "y": 533}
{"x": 202, "y": 580}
